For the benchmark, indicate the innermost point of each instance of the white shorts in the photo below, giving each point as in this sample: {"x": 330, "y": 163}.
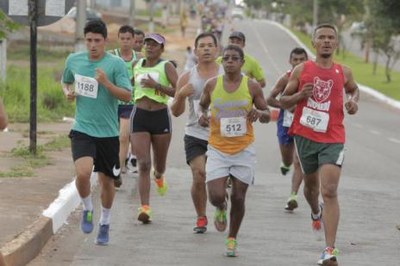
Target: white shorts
{"x": 240, "y": 165}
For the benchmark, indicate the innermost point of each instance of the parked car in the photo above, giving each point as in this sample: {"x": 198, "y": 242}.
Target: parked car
{"x": 358, "y": 28}
{"x": 238, "y": 13}
{"x": 91, "y": 14}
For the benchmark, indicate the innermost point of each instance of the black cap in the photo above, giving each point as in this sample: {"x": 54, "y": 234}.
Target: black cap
{"x": 238, "y": 34}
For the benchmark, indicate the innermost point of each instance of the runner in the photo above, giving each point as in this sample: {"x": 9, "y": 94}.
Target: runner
{"x": 297, "y": 56}
{"x": 125, "y": 38}
{"x": 138, "y": 41}
{"x": 251, "y": 67}
{"x": 3, "y": 116}
{"x": 190, "y": 59}
{"x": 231, "y": 152}
{"x": 97, "y": 80}
{"x": 190, "y": 86}
{"x": 316, "y": 88}
{"x": 155, "y": 80}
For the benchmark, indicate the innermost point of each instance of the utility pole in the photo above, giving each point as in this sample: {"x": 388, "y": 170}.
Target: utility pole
{"x": 132, "y": 14}
{"x": 80, "y": 21}
{"x": 3, "y": 59}
{"x": 315, "y": 13}
{"x": 151, "y": 22}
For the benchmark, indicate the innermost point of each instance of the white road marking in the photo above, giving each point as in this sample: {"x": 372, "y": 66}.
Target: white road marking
{"x": 394, "y": 140}
{"x": 374, "y": 132}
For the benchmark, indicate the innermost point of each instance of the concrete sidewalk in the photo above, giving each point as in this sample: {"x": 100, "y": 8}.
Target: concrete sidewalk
{"x": 24, "y": 230}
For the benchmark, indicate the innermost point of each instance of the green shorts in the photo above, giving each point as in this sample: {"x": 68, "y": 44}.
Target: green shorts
{"x": 314, "y": 154}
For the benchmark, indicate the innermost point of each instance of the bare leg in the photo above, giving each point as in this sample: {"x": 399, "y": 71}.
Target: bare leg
{"x": 198, "y": 190}
{"x": 330, "y": 176}
{"x": 141, "y": 142}
{"x": 217, "y": 192}
{"x": 160, "y": 145}
{"x": 238, "y": 196}
{"x": 311, "y": 191}
{"x": 287, "y": 153}
{"x": 107, "y": 190}
{"x": 297, "y": 177}
{"x": 123, "y": 142}
{"x": 83, "y": 169}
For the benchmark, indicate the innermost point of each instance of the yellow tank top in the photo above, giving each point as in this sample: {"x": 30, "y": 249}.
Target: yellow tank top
{"x": 230, "y": 131}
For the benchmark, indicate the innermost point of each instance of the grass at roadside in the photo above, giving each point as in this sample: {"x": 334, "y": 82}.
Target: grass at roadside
{"x": 31, "y": 162}
{"x": 363, "y": 72}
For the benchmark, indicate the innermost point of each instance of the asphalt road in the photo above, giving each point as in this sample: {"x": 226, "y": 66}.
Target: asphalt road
{"x": 368, "y": 194}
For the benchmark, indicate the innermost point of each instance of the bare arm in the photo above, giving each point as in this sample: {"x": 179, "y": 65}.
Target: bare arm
{"x": 118, "y": 92}
{"x": 3, "y": 116}
{"x": 261, "y": 110}
{"x": 172, "y": 77}
{"x": 183, "y": 90}
{"x": 276, "y": 90}
{"x": 352, "y": 92}
{"x": 205, "y": 100}
{"x": 262, "y": 83}
{"x": 292, "y": 94}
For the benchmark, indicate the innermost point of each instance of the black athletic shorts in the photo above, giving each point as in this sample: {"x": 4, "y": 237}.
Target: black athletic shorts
{"x": 104, "y": 151}
{"x": 194, "y": 147}
{"x": 125, "y": 110}
{"x": 155, "y": 122}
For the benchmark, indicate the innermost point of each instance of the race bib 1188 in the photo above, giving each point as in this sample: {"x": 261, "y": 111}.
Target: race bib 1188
{"x": 86, "y": 86}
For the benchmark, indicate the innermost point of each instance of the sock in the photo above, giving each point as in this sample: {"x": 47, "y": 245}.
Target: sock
{"x": 87, "y": 203}
{"x": 316, "y": 216}
{"x": 105, "y": 216}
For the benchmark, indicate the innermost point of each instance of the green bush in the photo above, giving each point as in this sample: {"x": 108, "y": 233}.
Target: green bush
{"x": 51, "y": 104}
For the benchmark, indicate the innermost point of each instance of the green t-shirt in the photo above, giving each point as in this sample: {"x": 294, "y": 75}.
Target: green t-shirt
{"x": 96, "y": 113}
{"x": 251, "y": 67}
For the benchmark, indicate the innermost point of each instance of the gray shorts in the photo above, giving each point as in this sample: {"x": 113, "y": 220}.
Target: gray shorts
{"x": 240, "y": 165}
{"x": 314, "y": 154}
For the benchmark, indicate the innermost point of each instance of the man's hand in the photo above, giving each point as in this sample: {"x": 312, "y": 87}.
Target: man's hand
{"x": 253, "y": 115}
{"x": 307, "y": 90}
{"x": 351, "y": 107}
{"x": 186, "y": 91}
{"x": 69, "y": 93}
{"x": 204, "y": 120}
{"x": 101, "y": 77}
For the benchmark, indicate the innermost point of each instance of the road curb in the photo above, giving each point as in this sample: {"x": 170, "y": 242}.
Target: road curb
{"x": 29, "y": 243}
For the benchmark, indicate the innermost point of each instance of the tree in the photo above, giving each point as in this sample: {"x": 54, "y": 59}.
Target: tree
{"x": 383, "y": 27}
{"x": 6, "y": 25}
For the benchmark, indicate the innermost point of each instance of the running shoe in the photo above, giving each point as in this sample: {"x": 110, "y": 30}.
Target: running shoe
{"x": 87, "y": 222}
{"x": 220, "y": 220}
{"x": 201, "y": 225}
{"x": 328, "y": 257}
{"x": 284, "y": 169}
{"x": 230, "y": 244}
{"x": 317, "y": 224}
{"x": 118, "y": 181}
{"x": 102, "y": 235}
{"x": 291, "y": 204}
{"x": 161, "y": 185}
{"x": 144, "y": 214}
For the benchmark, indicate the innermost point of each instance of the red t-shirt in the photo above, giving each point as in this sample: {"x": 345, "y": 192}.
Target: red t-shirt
{"x": 320, "y": 117}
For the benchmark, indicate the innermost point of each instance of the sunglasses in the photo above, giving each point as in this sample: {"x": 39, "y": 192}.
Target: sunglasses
{"x": 233, "y": 57}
